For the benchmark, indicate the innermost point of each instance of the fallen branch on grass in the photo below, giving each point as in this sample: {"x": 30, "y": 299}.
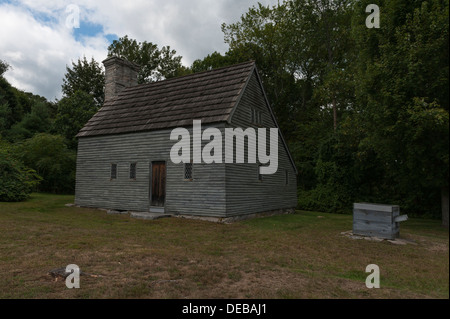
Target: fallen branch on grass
{"x": 61, "y": 273}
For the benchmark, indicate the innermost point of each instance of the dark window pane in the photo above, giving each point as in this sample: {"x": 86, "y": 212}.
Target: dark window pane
{"x": 188, "y": 171}
{"x": 133, "y": 170}
{"x": 113, "y": 171}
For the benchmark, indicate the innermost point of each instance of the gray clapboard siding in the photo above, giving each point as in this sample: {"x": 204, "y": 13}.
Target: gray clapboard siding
{"x": 245, "y": 193}
{"x": 205, "y": 195}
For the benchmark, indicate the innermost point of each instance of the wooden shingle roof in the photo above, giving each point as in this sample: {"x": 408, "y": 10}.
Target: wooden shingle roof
{"x": 208, "y": 96}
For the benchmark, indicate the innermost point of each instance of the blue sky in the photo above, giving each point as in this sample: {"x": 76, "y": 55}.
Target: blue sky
{"x": 87, "y": 29}
{"x": 38, "y": 42}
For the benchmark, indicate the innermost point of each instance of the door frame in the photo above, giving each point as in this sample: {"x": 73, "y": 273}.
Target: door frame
{"x": 156, "y": 208}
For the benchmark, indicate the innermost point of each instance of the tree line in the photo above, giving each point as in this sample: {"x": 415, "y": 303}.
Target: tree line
{"x": 364, "y": 111}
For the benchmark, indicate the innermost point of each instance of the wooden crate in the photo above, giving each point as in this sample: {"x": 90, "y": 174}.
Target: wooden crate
{"x": 377, "y": 220}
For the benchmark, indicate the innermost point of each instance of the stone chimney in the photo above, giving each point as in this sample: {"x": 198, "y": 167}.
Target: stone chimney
{"x": 119, "y": 74}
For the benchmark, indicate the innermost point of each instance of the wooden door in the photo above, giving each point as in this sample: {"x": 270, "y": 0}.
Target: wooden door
{"x": 158, "y": 187}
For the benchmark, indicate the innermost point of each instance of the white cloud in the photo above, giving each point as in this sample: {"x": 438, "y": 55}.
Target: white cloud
{"x": 38, "y": 52}
{"x": 37, "y": 44}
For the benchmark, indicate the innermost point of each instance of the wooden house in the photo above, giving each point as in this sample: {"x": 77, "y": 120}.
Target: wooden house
{"x": 123, "y": 159}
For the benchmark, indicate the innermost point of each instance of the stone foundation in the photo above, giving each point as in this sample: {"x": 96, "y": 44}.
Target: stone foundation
{"x": 225, "y": 220}
{"x": 232, "y": 219}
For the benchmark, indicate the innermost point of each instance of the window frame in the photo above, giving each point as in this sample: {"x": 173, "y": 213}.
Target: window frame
{"x": 191, "y": 172}
{"x": 256, "y": 116}
{"x": 133, "y": 165}
{"x": 113, "y": 168}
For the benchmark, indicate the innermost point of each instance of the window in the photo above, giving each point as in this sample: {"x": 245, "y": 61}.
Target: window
{"x": 255, "y": 116}
{"x": 133, "y": 171}
{"x": 113, "y": 171}
{"x": 188, "y": 171}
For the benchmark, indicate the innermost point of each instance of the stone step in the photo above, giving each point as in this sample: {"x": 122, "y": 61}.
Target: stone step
{"x": 116, "y": 212}
{"x": 148, "y": 215}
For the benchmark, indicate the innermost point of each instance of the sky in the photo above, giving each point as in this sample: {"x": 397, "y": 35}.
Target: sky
{"x": 38, "y": 38}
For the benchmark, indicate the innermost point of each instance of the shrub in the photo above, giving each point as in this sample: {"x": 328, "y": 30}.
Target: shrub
{"x": 49, "y": 156}
{"x": 16, "y": 181}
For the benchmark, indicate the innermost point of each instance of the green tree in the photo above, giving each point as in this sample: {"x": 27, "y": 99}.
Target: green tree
{"x": 16, "y": 181}
{"x": 37, "y": 121}
{"x": 402, "y": 99}
{"x": 156, "y": 64}
{"x": 383, "y": 91}
{"x": 11, "y": 110}
{"x": 216, "y": 60}
{"x": 86, "y": 76}
{"x": 303, "y": 50}
{"x": 73, "y": 113}
{"x": 5, "y": 114}
{"x": 22, "y": 113}
{"x": 49, "y": 156}
{"x": 328, "y": 46}
{"x": 4, "y": 66}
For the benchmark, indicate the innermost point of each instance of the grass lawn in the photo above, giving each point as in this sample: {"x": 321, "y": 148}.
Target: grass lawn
{"x": 303, "y": 255}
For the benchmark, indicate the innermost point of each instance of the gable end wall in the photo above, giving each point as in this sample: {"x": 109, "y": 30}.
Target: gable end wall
{"x": 245, "y": 193}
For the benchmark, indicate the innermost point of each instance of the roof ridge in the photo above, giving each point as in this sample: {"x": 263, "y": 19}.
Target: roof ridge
{"x": 182, "y": 77}
{"x": 224, "y": 67}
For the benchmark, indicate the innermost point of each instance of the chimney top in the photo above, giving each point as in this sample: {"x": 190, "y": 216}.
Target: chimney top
{"x": 119, "y": 74}
{"x": 118, "y": 60}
